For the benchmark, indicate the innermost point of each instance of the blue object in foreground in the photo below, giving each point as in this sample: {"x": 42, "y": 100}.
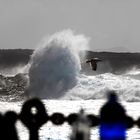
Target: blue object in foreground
{"x": 115, "y": 131}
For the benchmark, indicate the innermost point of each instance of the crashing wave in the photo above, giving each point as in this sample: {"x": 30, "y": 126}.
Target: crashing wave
{"x": 87, "y": 88}
{"x": 55, "y": 65}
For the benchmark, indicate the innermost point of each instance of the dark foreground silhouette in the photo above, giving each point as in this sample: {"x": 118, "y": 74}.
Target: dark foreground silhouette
{"x": 112, "y": 121}
{"x": 112, "y": 125}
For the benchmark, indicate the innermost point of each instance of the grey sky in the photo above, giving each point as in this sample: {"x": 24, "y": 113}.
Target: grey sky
{"x": 109, "y": 23}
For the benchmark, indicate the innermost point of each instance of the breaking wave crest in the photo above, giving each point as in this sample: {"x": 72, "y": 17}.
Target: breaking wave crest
{"x": 96, "y": 87}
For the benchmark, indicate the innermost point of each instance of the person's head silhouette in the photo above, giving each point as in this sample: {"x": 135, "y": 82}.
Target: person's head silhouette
{"x": 112, "y": 126}
{"x": 112, "y": 97}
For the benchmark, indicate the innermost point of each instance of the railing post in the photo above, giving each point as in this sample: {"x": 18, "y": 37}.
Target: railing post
{"x": 33, "y": 121}
{"x": 10, "y": 119}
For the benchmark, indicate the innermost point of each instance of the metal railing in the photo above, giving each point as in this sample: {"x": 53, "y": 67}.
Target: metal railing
{"x": 33, "y": 115}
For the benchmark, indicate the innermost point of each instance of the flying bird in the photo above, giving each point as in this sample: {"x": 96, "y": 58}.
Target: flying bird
{"x": 93, "y": 63}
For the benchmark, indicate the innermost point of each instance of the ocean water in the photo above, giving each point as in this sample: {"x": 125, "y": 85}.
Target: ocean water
{"x": 54, "y": 75}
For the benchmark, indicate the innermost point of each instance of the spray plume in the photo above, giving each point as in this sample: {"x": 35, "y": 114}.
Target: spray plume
{"x": 55, "y": 65}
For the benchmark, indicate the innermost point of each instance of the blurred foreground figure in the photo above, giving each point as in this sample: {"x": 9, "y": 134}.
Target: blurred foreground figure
{"x": 113, "y": 126}
{"x": 81, "y": 127}
{"x": 93, "y": 63}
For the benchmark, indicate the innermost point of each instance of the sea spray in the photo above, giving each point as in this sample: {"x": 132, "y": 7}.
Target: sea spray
{"x": 54, "y": 66}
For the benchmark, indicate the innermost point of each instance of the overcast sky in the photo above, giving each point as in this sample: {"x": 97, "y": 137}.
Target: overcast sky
{"x": 109, "y": 23}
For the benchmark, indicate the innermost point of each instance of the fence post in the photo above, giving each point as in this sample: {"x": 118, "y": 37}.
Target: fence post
{"x": 33, "y": 121}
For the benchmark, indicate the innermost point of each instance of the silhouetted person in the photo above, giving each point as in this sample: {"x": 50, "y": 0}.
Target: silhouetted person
{"x": 93, "y": 62}
{"x": 113, "y": 126}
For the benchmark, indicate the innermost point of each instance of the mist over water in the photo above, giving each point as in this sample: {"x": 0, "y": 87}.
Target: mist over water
{"x": 14, "y": 70}
{"x": 55, "y": 65}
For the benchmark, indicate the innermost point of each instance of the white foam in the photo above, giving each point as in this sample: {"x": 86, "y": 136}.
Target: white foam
{"x": 133, "y": 71}
{"x": 96, "y": 87}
